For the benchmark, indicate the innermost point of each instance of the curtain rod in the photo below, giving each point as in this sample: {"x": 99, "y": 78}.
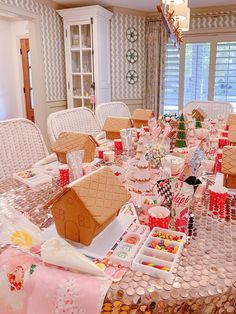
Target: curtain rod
{"x": 152, "y": 19}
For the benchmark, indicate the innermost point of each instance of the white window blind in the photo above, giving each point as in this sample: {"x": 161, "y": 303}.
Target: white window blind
{"x": 197, "y": 61}
{"x": 225, "y": 73}
{"x": 171, "y": 84}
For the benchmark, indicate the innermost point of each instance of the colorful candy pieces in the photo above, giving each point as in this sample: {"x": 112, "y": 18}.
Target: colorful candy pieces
{"x": 167, "y": 236}
{"x": 27, "y": 174}
{"x": 132, "y": 240}
{"x": 164, "y": 245}
{"x": 161, "y": 267}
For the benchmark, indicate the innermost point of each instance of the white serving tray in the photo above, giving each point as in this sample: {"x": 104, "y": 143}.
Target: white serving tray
{"x": 37, "y": 179}
{"x": 125, "y": 252}
{"x": 158, "y": 257}
{"x": 51, "y": 169}
{"x": 103, "y": 242}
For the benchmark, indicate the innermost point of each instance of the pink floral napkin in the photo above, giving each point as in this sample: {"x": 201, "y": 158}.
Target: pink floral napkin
{"x": 28, "y": 286}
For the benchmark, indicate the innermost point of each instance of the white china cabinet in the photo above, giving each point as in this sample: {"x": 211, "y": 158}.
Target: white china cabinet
{"x": 87, "y": 53}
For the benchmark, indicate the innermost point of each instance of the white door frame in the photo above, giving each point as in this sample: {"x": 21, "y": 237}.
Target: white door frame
{"x": 38, "y": 75}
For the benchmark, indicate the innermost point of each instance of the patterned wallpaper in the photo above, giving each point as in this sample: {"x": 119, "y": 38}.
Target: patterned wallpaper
{"x": 120, "y": 88}
{"x": 53, "y": 46}
{"x": 213, "y": 19}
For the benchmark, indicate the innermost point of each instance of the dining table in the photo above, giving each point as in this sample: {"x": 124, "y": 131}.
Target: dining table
{"x": 203, "y": 280}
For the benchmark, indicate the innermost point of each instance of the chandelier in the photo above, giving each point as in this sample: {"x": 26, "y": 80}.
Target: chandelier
{"x": 175, "y": 15}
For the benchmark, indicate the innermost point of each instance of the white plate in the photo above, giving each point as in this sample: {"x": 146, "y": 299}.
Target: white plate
{"x": 103, "y": 242}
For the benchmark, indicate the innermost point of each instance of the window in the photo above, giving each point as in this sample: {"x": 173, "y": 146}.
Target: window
{"x": 197, "y": 61}
{"x": 171, "y": 91}
{"x": 197, "y": 80}
{"x": 225, "y": 72}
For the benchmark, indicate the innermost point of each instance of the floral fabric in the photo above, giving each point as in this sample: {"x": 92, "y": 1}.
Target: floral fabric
{"x": 28, "y": 286}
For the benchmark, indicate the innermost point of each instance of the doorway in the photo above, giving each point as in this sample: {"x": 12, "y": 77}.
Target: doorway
{"x": 27, "y": 78}
{"x": 12, "y": 104}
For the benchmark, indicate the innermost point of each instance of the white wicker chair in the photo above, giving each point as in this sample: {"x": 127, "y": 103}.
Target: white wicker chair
{"x": 21, "y": 145}
{"x": 211, "y": 108}
{"x": 75, "y": 119}
{"x": 112, "y": 109}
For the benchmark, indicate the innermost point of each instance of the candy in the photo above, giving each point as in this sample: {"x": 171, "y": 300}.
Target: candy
{"x": 132, "y": 240}
{"x": 167, "y": 236}
{"x": 22, "y": 238}
{"x": 122, "y": 254}
{"x": 101, "y": 265}
{"x": 126, "y": 248}
{"x": 164, "y": 245}
{"x": 161, "y": 267}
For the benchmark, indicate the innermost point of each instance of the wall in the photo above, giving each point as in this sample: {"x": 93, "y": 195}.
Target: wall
{"x": 8, "y": 97}
{"x": 121, "y": 89}
{"x": 53, "y": 46}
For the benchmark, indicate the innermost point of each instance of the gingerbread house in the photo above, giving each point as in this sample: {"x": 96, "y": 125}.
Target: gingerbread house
{"x": 88, "y": 205}
{"x": 140, "y": 117}
{"x": 231, "y": 119}
{"x": 229, "y": 166}
{"x": 232, "y": 135}
{"x": 198, "y": 114}
{"x": 113, "y": 125}
{"x": 74, "y": 141}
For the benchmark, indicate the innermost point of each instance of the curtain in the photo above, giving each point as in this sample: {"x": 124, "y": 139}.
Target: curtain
{"x": 155, "y": 58}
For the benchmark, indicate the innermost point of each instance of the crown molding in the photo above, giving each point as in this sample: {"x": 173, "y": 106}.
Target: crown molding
{"x": 122, "y": 10}
{"x": 216, "y": 10}
{"x": 51, "y": 4}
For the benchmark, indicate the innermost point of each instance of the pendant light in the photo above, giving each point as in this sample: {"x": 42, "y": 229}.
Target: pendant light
{"x": 182, "y": 12}
{"x": 184, "y": 25}
{"x": 175, "y": 2}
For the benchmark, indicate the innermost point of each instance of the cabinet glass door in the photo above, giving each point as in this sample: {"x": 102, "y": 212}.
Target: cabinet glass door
{"x": 77, "y": 90}
{"x": 86, "y": 35}
{"x": 81, "y": 63}
{"x": 87, "y": 61}
{"x": 87, "y": 80}
{"x": 75, "y": 60}
{"x": 75, "y": 37}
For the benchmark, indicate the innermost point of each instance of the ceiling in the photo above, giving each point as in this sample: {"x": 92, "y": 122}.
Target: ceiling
{"x": 143, "y": 5}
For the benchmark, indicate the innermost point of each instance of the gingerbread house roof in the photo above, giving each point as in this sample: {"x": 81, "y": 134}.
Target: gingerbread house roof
{"x": 142, "y": 114}
{"x": 115, "y": 124}
{"x": 72, "y": 141}
{"x": 229, "y": 160}
{"x": 102, "y": 193}
{"x": 199, "y": 113}
{"x": 231, "y": 119}
{"x": 232, "y": 134}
